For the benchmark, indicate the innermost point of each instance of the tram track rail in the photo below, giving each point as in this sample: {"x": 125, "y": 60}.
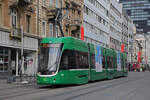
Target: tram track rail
{"x": 109, "y": 85}
{"x": 18, "y": 86}
{"x": 112, "y": 83}
{"x": 21, "y": 93}
{"x": 134, "y": 91}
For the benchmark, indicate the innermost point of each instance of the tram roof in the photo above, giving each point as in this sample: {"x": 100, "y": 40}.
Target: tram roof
{"x": 70, "y": 43}
{"x": 77, "y": 44}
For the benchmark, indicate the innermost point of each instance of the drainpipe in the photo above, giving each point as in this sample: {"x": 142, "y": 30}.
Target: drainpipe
{"x": 38, "y": 18}
{"x": 38, "y": 33}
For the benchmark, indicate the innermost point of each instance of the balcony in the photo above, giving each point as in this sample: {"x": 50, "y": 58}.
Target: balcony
{"x": 13, "y": 2}
{"x": 51, "y": 14}
{"x": 75, "y": 28}
{"x": 75, "y": 22}
{"x": 20, "y": 2}
{"x": 25, "y": 2}
{"x": 76, "y": 3}
{"x": 15, "y": 33}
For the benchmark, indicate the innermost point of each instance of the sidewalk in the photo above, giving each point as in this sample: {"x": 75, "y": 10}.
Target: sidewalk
{"x": 2, "y": 81}
{"x": 4, "y": 84}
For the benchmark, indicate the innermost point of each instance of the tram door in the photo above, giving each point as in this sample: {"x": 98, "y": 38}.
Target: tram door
{"x": 90, "y": 56}
{"x": 89, "y": 62}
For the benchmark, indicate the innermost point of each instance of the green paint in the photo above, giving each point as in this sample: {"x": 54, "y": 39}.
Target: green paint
{"x": 81, "y": 76}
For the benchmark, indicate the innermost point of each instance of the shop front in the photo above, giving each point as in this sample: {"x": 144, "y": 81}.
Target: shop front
{"x": 10, "y": 54}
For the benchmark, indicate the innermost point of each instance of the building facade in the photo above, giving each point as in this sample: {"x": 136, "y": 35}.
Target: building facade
{"x": 139, "y": 11}
{"x": 58, "y": 18}
{"x": 23, "y": 23}
{"x": 106, "y": 23}
{"x": 143, "y": 46}
{"x": 131, "y": 34}
{"x": 125, "y": 32}
{"x": 115, "y": 25}
{"x": 17, "y": 17}
{"x": 96, "y": 21}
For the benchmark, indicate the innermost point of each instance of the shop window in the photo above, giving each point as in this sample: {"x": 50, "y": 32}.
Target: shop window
{"x": 1, "y": 50}
{"x": 4, "y": 60}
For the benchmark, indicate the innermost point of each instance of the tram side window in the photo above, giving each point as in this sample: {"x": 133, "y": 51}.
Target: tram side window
{"x": 110, "y": 62}
{"x": 126, "y": 64}
{"x": 93, "y": 60}
{"x": 68, "y": 60}
{"x": 122, "y": 63}
{"x": 108, "y": 65}
{"x": 103, "y": 61}
{"x": 82, "y": 60}
{"x": 115, "y": 62}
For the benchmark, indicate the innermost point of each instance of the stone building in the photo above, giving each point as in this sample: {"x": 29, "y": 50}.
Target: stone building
{"x": 36, "y": 19}
{"x": 115, "y": 25}
{"x": 17, "y": 17}
{"x": 96, "y": 22}
{"x": 131, "y": 34}
{"x": 125, "y": 21}
{"x": 142, "y": 42}
{"x": 59, "y": 18}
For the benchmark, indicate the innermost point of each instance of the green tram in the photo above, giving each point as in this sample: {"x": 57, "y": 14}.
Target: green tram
{"x": 67, "y": 60}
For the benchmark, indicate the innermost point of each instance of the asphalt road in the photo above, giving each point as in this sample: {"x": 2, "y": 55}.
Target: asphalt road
{"x": 134, "y": 87}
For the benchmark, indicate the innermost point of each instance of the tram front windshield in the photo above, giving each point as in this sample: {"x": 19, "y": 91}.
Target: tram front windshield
{"x": 49, "y": 58}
